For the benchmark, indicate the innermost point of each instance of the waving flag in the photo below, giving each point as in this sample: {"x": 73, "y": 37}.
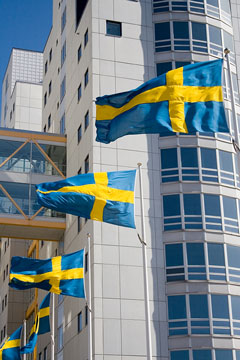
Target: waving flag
{"x": 41, "y": 325}
{"x": 106, "y": 196}
{"x": 10, "y": 350}
{"x": 60, "y": 275}
{"x": 187, "y": 99}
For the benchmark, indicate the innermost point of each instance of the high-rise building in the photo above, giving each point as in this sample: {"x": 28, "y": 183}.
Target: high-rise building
{"x": 191, "y": 182}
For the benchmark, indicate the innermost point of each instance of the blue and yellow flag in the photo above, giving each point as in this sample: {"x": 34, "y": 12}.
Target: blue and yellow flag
{"x": 106, "y": 196}
{"x": 10, "y": 350}
{"x": 185, "y": 100}
{"x": 60, "y": 275}
{"x": 41, "y": 325}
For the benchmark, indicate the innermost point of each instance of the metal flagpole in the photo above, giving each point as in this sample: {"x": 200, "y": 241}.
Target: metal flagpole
{"x": 53, "y": 328}
{"x": 24, "y": 337}
{"x": 89, "y": 301}
{"x": 145, "y": 272}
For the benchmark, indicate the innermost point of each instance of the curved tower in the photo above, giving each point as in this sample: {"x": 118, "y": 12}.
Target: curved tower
{"x": 200, "y": 193}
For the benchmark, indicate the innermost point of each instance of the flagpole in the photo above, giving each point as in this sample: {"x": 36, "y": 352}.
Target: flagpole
{"x": 234, "y": 113}
{"x": 24, "y": 337}
{"x": 89, "y": 300}
{"x": 53, "y": 328}
{"x": 145, "y": 270}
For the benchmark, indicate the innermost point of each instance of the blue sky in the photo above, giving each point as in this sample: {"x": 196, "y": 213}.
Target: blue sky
{"x": 24, "y": 24}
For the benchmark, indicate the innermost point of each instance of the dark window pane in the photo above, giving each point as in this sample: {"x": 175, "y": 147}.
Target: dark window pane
{"x": 180, "y": 30}
{"x": 209, "y": 159}
{"x": 215, "y": 35}
{"x": 181, "y": 63}
{"x": 229, "y": 207}
{"x": 195, "y": 254}
{"x": 189, "y": 157}
{"x": 176, "y": 307}
{"x": 192, "y": 205}
{"x": 114, "y": 28}
{"x": 235, "y": 307}
{"x": 226, "y": 161}
{"x": 233, "y": 253}
{"x": 80, "y": 7}
{"x": 171, "y": 205}
{"x": 199, "y": 31}
{"x": 212, "y": 205}
{"x": 174, "y": 255}
{"x": 222, "y": 354}
{"x": 216, "y": 254}
{"x": 180, "y": 355}
{"x": 220, "y": 306}
{"x": 202, "y": 354}
{"x": 198, "y": 306}
{"x": 162, "y": 31}
{"x": 162, "y": 68}
{"x": 169, "y": 158}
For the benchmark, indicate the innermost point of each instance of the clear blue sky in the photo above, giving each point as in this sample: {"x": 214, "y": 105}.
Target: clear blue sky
{"x": 24, "y": 24}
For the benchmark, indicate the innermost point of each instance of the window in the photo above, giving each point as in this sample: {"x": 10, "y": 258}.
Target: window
{"x": 215, "y": 40}
{"x": 189, "y": 160}
{"x": 177, "y": 315}
{"x": 45, "y": 98}
{"x": 49, "y": 121}
{"x": 86, "y": 315}
{"x": 160, "y": 6}
{"x": 86, "y": 78}
{"x": 63, "y": 53}
{"x": 79, "y": 54}
{"x": 63, "y": 88}
{"x": 174, "y": 262}
{"x": 209, "y": 165}
{"x": 45, "y": 128}
{"x": 80, "y": 7}
{"x": 79, "y": 134}
{"x": 5, "y": 300}
{"x": 46, "y": 67}
{"x": 172, "y": 215}
{"x": 222, "y": 354}
{"x": 63, "y": 19}
{"x": 199, "y": 37}
{"x": 230, "y": 214}
{"x": 114, "y": 28}
{"x": 169, "y": 165}
{"x": 181, "y": 35}
{"x": 192, "y": 211}
{"x": 162, "y": 37}
{"x": 180, "y": 355}
{"x": 162, "y": 68}
{"x": 235, "y": 87}
{"x": 62, "y": 124}
{"x": 45, "y": 353}
{"x": 50, "y": 56}
{"x": 60, "y": 337}
{"x": 196, "y": 261}
{"x": 216, "y": 262}
{"x": 212, "y": 212}
{"x": 199, "y": 311}
{"x": 13, "y": 107}
{"x": 79, "y": 93}
{"x": 181, "y": 63}
{"x": 86, "y": 120}
{"x": 86, "y": 38}
{"x": 79, "y": 318}
{"x": 86, "y": 164}
{"x": 202, "y": 354}
{"x": 220, "y": 311}
{"x": 226, "y": 167}
{"x": 49, "y": 88}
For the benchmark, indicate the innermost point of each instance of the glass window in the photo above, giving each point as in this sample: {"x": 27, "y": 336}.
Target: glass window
{"x": 79, "y": 55}
{"x": 80, "y": 322}
{"x": 176, "y": 307}
{"x": 199, "y": 35}
{"x": 62, "y": 124}
{"x": 86, "y": 120}
{"x": 212, "y": 205}
{"x": 229, "y": 207}
{"x": 180, "y": 355}
{"x": 228, "y": 41}
{"x": 220, "y": 306}
{"x": 174, "y": 255}
{"x": 79, "y": 134}
{"x": 86, "y": 164}
{"x": 180, "y": 30}
{"x": 45, "y": 98}
{"x": 216, "y": 254}
{"x": 63, "y": 53}
{"x": 225, "y": 6}
{"x": 233, "y": 253}
{"x": 195, "y": 254}
{"x": 223, "y": 354}
{"x": 46, "y": 67}
{"x": 215, "y": 40}
{"x": 63, "y": 88}
{"x": 226, "y": 162}
{"x": 202, "y": 354}
{"x": 86, "y": 38}
{"x": 160, "y": 6}
{"x": 189, "y": 157}
{"x": 171, "y": 205}
{"x": 169, "y": 158}
{"x": 162, "y": 31}
{"x": 40, "y": 356}
{"x": 209, "y": 165}
{"x": 49, "y": 121}
{"x": 235, "y": 307}
{"x": 63, "y": 19}
{"x": 163, "y": 68}
{"x": 49, "y": 88}
{"x": 198, "y": 306}
{"x": 179, "y": 64}
{"x": 86, "y": 78}
{"x": 79, "y": 93}
{"x": 213, "y": 8}
{"x": 114, "y": 28}
{"x": 80, "y": 7}
{"x": 192, "y": 205}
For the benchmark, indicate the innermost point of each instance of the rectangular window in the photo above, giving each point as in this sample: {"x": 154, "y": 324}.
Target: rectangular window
{"x": 212, "y": 212}
{"x": 177, "y": 314}
{"x": 13, "y": 107}
{"x": 49, "y": 121}
{"x": 62, "y": 124}
{"x": 162, "y": 37}
{"x": 196, "y": 261}
{"x": 113, "y": 28}
{"x": 160, "y": 6}
{"x": 86, "y": 38}
{"x": 50, "y": 56}
{"x": 192, "y": 211}
{"x": 209, "y": 165}
{"x": 63, "y": 88}
{"x": 45, "y": 128}
{"x": 199, "y": 311}
{"x": 86, "y": 164}
{"x": 2, "y": 305}
{"x": 86, "y": 120}
{"x": 49, "y": 88}
{"x": 172, "y": 214}
{"x": 215, "y": 37}
{"x": 180, "y": 355}
{"x": 202, "y": 354}
{"x": 7, "y": 270}
{"x": 224, "y": 354}
{"x": 86, "y": 78}
{"x": 5, "y": 300}
{"x": 174, "y": 262}
{"x": 79, "y": 322}
{"x": 230, "y": 214}
{"x": 79, "y": 93}
{"x": 79, "y": 54}
{"x": 181, "y": 35}
{"x": 216, "y": 261}
{"x": 163, "y": 68}
{"x": 4, "y": 331}
{"x": 226, "y": 167}
{"x": 45, "y": 98}
{"x": 60, "y": 337}
{"x": 169, "y": 165}
{"x": 199, "y": 37}
{"x": 79, "y": 134}
{"x": 63, "y": 53}
{"x": 80, "y": 7}
{"x": 220, "y": 314}
{"x": 46, "y": 67}
{"x": 189, "y": 160}
{"x": 63, "y": 19}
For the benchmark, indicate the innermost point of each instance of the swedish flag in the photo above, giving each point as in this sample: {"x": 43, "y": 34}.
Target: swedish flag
{"x": 10, "y": 350}
{"x": 60, "y": 275}
{"x": 106, "y": 196}
{"x": 41, "y": 325}
{"x": 187, "y": 99}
